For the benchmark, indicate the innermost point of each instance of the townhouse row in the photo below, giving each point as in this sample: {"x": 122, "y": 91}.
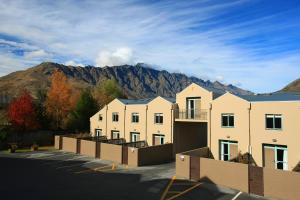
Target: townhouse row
{"x": 264, "y": 127}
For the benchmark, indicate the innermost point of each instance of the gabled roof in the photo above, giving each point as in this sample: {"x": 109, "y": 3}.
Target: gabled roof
{"x": 170, "y": 99}
{"x": 135, "y": 101}
{"x": 271, "y": 97}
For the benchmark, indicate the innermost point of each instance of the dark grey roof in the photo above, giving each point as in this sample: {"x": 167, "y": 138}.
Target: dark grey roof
{"x": 170, "y": 99}
{"x": 135, "y": 101}
{"x": 271, "y": 97}
{"x": 144, "y": 101}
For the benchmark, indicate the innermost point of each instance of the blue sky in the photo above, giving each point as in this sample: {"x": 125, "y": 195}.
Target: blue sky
{"x": 250, "y": 43}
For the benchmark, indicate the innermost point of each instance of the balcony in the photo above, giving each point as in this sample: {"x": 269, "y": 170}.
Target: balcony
{"x": 191, "y": 115}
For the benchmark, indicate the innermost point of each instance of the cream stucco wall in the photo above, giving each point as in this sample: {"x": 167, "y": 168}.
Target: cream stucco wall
{"x": 95, "y": 123}
{"x": 139, "y": 127}
{"x": 232, "y": 104}
{"x": 259, "y": 135}
{"x": 160, "y": 105}
{"x": 289, "y": 135}
{"x": 119, "y": 107}
{"x": 194, "y": 90}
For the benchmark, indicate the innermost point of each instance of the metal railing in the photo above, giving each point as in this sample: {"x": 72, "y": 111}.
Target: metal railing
{"x": 137, "y": 144}
{"x": 191, "y": 114}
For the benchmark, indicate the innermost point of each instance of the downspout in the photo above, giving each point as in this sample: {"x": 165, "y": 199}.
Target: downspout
{"x": 249, "y": 147}
{"x": 172, "y": 122}
{"x": 106, "y": 106}
{"x": 146, "y": 124}
{"x": 124, "y": 121}
{"x": 210, "y": 108}
{"x": 249, "y": 131}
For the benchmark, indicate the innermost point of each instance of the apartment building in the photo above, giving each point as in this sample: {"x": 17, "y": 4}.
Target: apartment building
{"x": 150, "y": 120}
{"x": 261, "y": 126}
{"x": 266, "y": 126}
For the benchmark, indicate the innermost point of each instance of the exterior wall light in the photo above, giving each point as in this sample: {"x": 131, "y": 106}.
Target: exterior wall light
{"x": 182, "y": 157}
{"x": 274, "y": 140}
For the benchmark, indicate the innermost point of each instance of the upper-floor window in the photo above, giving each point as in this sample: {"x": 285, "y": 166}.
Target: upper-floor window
{"x": 158, "y": 118}
{"x": 135, "y": 118}
{"x": 100, "y": 117}
{"x": 227, "y": 120}
{"x": 115, "y": 117}
{"x": 273, "y": 121}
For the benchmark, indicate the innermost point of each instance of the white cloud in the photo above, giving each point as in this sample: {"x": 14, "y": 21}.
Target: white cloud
{"x": 73, "y": 63}
{"x": 120, "y": 56}
{"x": 194, "y": 37}
{"x": 38, "y": 54}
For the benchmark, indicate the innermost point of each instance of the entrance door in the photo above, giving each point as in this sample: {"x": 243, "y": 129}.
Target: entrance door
{"x": 193, "y": 106}
{"x": 275, "y": 157}
{"x": 229, "y": 150}
{"x": 98, "y": 132}
{"x": 135, "y": 137}
{"x": 115, "y": 134}
{"x": 158, "y": 139}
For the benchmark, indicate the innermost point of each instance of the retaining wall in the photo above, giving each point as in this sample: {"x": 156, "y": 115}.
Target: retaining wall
{"x": 271, "y": 183}
{"x": 88, "y": 148}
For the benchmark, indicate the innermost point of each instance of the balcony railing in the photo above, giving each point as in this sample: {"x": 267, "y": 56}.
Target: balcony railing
{"x": 191, "y": 114}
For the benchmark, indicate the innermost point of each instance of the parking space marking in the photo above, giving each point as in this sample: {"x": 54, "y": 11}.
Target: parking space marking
{"x": 184, "y": 192}
{"x": 55, "y": 155}
{"x": 74, "y": 158}
{"x": 68, "y": 166}
{"x": 92, "y": 169}
{"x": 236, "y": 196}
{"x": 167, "y": 188}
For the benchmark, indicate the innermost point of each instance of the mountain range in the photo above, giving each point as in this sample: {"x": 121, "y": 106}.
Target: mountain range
{"x": 137, "y": 81}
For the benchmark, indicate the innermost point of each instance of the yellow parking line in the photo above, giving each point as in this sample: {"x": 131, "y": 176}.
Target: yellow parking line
{"x": 185, "y": 191}
{"x": 173, "y": 192}
{"x": 167, "y": 188}
{"x": 93, "y": 169}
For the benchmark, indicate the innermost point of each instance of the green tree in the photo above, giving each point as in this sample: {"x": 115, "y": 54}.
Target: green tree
{"x": 86, "y": 106}
{"x": 41, "y": 96}
{"x": 106, "y": 91}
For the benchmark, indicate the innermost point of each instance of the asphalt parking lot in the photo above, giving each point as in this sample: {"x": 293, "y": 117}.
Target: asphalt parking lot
{"x": 62, "y": 175}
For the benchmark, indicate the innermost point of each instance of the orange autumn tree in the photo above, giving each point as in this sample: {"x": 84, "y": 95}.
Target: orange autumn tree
{"x": 58, "y": 102}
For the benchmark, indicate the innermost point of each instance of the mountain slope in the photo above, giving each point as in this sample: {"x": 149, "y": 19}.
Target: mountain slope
{"x": 139, "y": 81}
{"x": 292, "y": 87}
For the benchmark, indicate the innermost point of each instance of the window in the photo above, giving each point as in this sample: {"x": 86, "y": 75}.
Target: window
{"x": 115, "y": 134}
{"x": 135, "y": 137}
{"x": 115, "y": 117}
{"x": 273, "y": 121}
{"x": 228, "y": 120}
{"x": 158, "y": 139}
{"x": 158, "y": 118}
{"x": 100, "y": 117}
{"x": 135, "y": 118}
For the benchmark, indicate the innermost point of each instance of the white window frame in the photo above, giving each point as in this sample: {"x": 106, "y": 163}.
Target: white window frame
{"x": 222, "y": 149}
{"x": 273, "y": 116}
{"x": 112, "y": 133}
{"x": 285, "y": 156}
{"x": 161, "y": 138}
{"x": 114, "y": 115}
{"x": 96, "y": 132}
{"x": 134, "y": 136}
{"x": 135, "y": 117}
{"x": 160, "y": 115}
{"x": 228, "y": 115}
